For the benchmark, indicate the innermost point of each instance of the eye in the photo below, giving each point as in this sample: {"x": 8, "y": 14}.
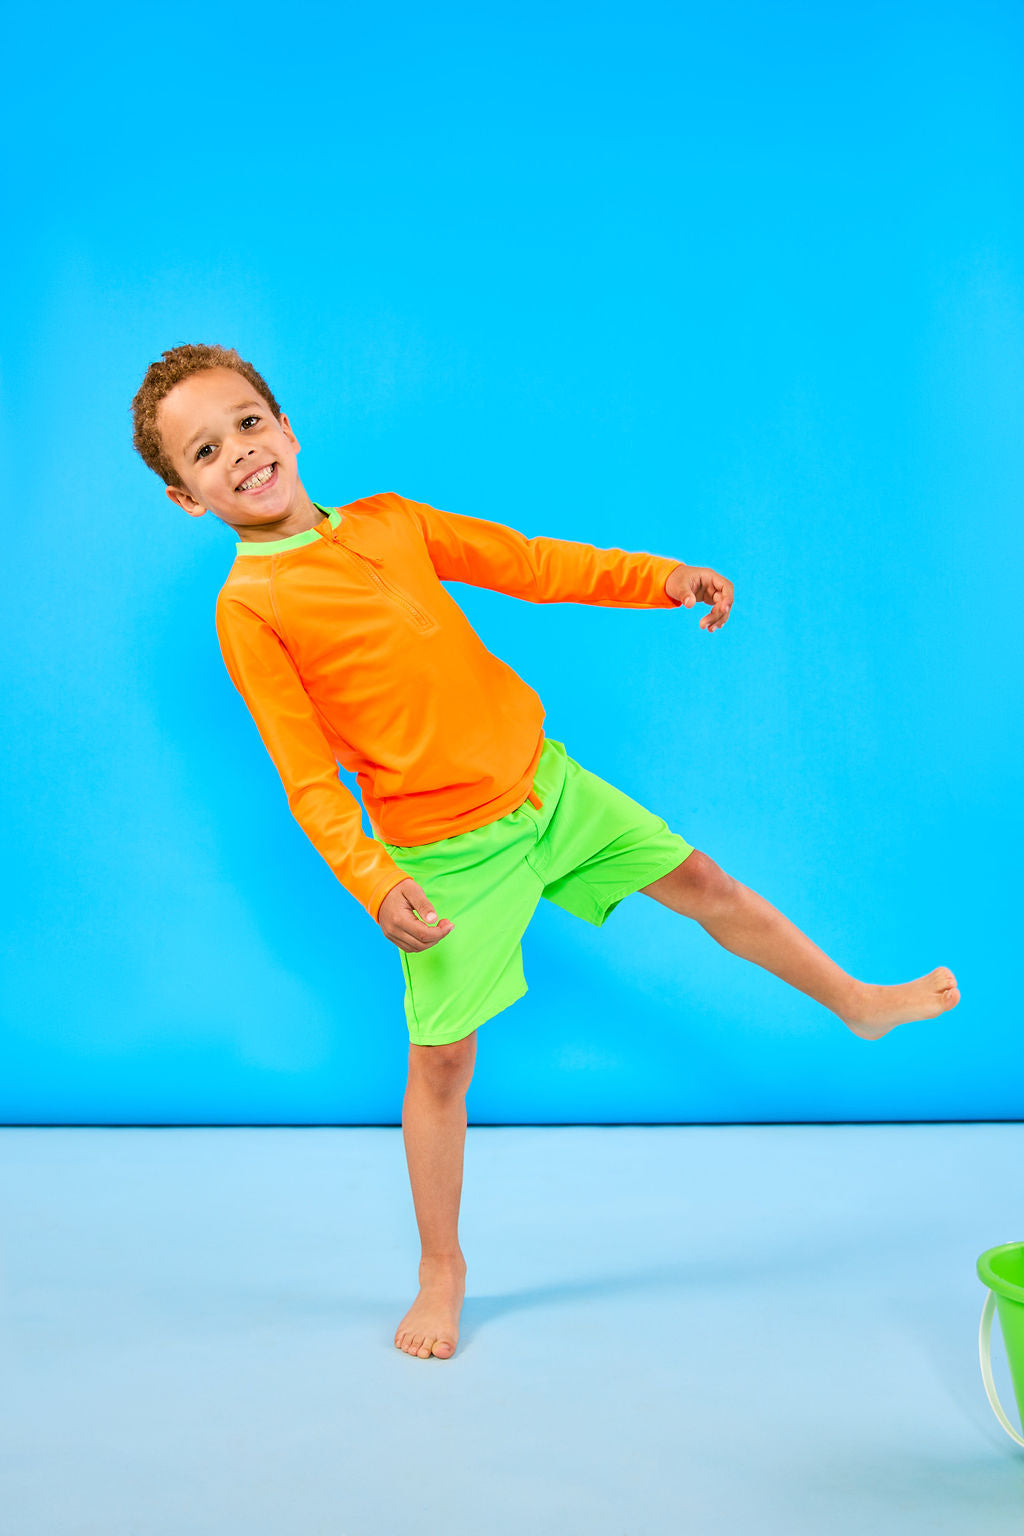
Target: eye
{"x": 201, "y": 451}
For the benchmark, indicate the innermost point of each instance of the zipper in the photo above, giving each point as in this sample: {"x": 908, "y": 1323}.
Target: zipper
{"x": 420, "y": 619}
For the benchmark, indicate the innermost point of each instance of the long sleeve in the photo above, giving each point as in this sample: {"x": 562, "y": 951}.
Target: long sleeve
{"x": 286, "y": 718}
{"x": 540, "y": 569}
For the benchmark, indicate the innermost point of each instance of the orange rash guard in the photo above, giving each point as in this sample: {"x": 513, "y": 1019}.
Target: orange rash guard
{"x": 346, "y": 648}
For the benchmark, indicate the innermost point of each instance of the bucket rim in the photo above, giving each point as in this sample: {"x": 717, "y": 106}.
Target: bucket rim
{"x": 995, "y": 1282}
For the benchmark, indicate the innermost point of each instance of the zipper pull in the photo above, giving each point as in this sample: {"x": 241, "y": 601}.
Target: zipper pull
{"x": 328, "y": 534}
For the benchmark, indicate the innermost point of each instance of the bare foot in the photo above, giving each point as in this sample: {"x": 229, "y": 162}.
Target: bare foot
{"x": 879, "y": 1009}
{"x": 431, "y": 1325}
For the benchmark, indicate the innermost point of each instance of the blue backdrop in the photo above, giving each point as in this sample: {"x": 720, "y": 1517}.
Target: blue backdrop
{"x": 737, "y": 284}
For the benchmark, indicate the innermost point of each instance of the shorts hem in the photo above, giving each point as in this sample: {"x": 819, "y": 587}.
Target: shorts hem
{"x": 603, "y": 912}
{"x": 460, "y": 1031}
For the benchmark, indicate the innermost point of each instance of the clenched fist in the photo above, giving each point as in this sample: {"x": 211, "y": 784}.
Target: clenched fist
{"x": 404, "y": 915}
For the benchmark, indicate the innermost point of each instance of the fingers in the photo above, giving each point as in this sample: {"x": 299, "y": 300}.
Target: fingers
{"x": 719, "y": 592}
{"x": 412, "y": 942}
{"x": 400, "y": 920}
{"x": 428, "y": 929}
{"x": 412, "y": 937}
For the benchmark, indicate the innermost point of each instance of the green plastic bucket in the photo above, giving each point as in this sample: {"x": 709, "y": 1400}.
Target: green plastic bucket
{"x": 1002, "y": 1270}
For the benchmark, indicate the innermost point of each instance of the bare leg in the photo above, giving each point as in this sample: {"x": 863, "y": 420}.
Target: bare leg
{"x": 747, "y": 925}
{"x": 434, "y": 1131}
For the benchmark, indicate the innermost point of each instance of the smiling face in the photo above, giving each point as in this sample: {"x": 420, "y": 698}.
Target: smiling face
{"x": 231, "y": 453}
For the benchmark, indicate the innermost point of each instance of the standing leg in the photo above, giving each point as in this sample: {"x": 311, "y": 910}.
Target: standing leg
{"x": 747, "y": 925}
{"x": 434, "y": 1131}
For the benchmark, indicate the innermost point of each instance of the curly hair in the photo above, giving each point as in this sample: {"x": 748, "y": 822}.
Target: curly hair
{"x": 179, "y": 363}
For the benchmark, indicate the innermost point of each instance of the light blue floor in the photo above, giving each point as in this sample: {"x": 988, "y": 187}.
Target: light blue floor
{"x": 768, "y": 1330}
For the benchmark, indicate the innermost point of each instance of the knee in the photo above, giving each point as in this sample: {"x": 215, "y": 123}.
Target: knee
{"x": 703, "y": 876}
{"x": 696, "y": 886}
{"x": 444, "y": 1068}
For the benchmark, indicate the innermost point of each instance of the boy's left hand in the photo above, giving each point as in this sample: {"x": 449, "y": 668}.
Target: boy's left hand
{"x": 689, "y": 584}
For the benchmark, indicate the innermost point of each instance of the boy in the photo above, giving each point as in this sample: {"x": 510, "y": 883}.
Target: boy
{"x": 337, "y": 632}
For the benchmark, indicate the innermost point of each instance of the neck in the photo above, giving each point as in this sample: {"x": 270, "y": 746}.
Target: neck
{"x": 301, "y": 516}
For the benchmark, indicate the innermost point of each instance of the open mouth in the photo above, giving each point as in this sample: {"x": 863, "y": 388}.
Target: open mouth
{"x": 260, "y": 480}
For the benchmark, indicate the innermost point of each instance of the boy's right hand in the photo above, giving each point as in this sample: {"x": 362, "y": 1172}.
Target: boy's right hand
{"x": 397, "y": 916}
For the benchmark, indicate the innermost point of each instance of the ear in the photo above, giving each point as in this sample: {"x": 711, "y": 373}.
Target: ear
{"x": 182, "y": 499}
{"x": 286, "y": 428}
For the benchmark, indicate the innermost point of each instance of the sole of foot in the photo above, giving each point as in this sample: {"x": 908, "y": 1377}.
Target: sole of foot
{"x": 880, "y": 1009}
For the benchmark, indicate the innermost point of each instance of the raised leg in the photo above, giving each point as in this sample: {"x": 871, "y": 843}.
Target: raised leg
{"x": 747, "y": 925}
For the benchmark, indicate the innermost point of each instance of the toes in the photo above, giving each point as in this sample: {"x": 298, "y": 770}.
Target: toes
{"x": 424, "y": 1345}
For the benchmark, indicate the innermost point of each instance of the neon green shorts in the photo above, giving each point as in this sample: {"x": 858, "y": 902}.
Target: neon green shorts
{"x": 585, "y": 848}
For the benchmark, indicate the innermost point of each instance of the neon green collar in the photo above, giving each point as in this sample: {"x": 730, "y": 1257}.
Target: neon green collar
{"x": 295, "y": 541}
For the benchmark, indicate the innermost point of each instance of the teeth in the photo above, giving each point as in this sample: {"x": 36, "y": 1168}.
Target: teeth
{"x": 258, "y": 479}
